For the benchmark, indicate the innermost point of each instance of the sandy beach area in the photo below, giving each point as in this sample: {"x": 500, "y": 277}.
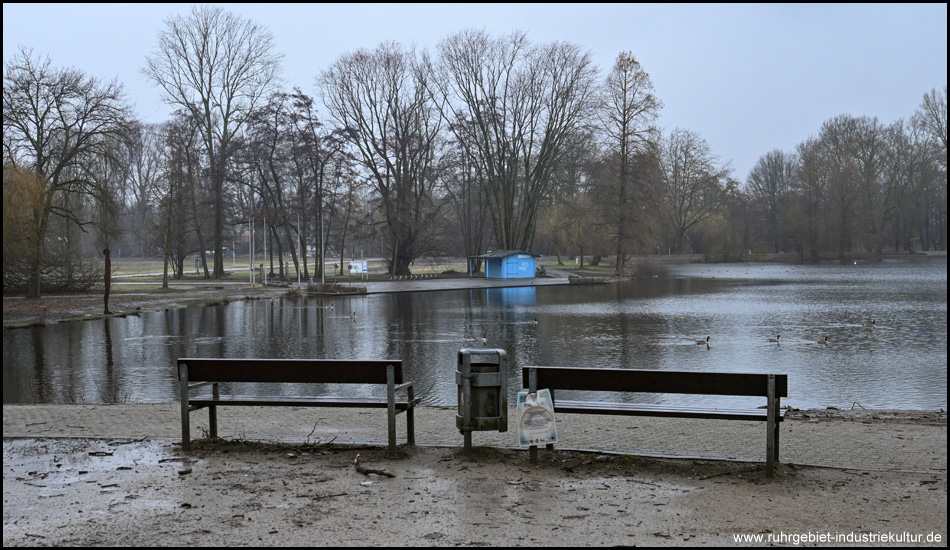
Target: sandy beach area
{"x": 255, "y": 487}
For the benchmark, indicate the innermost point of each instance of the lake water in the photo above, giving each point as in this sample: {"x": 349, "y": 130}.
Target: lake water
{"x": 652, "y": 323}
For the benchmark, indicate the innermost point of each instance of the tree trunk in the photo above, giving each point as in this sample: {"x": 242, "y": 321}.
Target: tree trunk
{"x": 108, "y": 282}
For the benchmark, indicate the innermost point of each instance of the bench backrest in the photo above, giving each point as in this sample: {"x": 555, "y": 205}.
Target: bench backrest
{"x": 653, "y": 381}
{"x": 324, "y": 371}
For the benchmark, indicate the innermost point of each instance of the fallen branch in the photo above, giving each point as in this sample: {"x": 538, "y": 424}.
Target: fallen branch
{"x": 321, "y": 497}
{"x": 367, "y": 471}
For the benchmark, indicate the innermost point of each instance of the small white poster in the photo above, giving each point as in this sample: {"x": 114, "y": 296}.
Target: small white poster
{"x": 536, "y": 424}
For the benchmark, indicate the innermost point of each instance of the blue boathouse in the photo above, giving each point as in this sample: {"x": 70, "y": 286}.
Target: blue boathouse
{"x": 506, "y": 264}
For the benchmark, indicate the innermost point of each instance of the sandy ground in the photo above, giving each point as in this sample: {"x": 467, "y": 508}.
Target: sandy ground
{"x": 90, "y": 492}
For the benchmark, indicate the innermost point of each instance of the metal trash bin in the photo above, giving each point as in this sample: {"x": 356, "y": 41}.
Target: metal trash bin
{"x": 482, "y": 379}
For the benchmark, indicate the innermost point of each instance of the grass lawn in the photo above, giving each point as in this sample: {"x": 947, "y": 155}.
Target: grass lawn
{"x": 146, "y": 270}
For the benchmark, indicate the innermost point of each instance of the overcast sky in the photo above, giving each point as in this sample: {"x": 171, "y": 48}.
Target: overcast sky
{"x": 748, "y": 78}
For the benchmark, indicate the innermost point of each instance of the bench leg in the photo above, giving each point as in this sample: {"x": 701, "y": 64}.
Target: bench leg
{"x": 532, "y": 388}
{"x": 213, "y": 413}
{"x": 185, "y": 426}
{"x": 775, "y": 450}
{"x": 771, "y": 442}
{"x": 411, "y": 416}
{"x": 391, "y": 407}
{"x": 185, "y": 413}
{"x": 213, "y": 422}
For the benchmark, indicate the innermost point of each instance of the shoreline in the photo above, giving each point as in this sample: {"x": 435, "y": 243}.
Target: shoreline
{"x": 19, "y": 312}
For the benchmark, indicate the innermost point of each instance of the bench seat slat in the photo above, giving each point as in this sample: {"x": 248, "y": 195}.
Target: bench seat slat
{"x": 298, "y": 371}
{"x": 634, "y": 409}
{"x": 327, "y": 401}
{"x": 655, "y": 381}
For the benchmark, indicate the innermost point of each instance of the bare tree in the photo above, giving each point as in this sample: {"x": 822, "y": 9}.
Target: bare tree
{"x": 522, "y": 102}
{"x": 381, "y": 98}
{"x": 314, "y": 149}
{"x": 769, "y": 182}
{"x": 466, "y": 189}
{"x": 218, "y": 67}
{"x": 806, "y": 221}
{"x": 56, "y": 124}
{"x": 628, "y": 112}
{"x": 178, "y": 194}
{"x": 268, "y": 155}
{"x": 345, "y": 205}
{"x": 838, "y": 137}
{"x": 873, "y": 157}
{"x": 913, "y": 174}
{"x": 142, "y": 162}
{"x": 694, "y": 184}
{"x": 932, "y": 115}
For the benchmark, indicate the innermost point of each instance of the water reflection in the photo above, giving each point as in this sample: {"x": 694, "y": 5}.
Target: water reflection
{"x": 652, "y": 323}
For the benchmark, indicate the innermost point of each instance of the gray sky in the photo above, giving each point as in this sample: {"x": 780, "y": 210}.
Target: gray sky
{"x": 749, "y": 78}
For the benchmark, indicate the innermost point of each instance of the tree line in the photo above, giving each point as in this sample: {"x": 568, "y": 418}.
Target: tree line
{"x": 485, "y": 143}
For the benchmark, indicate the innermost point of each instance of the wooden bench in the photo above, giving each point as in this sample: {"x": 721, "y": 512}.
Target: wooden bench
{"x": 196, "y": 373}
{"x": 770, "y": 386}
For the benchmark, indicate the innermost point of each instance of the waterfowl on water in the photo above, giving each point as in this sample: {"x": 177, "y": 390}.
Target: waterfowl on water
{"x": 776, "y": 339}
{"x": 534, "y": 322}
{"x": 701, "y": 342}
{"x": 481, "y": 339}
{"x": 870, "y": 324}
{"x": 823, "y": 341}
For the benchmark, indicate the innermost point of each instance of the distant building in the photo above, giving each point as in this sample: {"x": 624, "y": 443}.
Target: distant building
{"x": 506, "y": 264}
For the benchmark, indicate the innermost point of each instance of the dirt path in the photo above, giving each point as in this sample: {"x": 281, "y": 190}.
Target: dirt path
{"x": 138, "y": 493}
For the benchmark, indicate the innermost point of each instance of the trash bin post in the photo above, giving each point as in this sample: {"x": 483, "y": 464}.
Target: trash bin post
{"x": 482, "y": 378}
